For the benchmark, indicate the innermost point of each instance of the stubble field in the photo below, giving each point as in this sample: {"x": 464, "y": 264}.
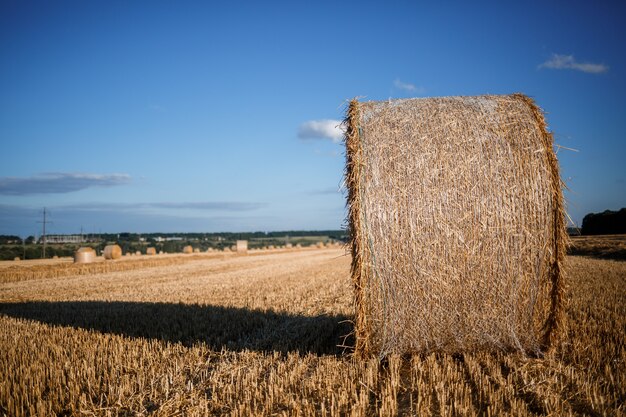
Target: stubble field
{"x": 265, "y": 334}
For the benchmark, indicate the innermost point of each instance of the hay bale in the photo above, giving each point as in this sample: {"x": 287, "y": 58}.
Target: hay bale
{"x": 112, "y": 252}
{"x": 151, "y": 251}
{"x": 457, "y": 225}
{"x": 17, "y": 258}
{"x": 138, "y": 253}
{"x": 84, "y": 255}
{"x": 241, "y": 246}
{"x": 196, "y": 250}
{"x": 188, "y": 249}
{"x": 320, "y": 245}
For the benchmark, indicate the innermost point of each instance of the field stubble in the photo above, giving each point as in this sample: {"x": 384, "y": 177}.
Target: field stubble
{"x": 258, "y": 335}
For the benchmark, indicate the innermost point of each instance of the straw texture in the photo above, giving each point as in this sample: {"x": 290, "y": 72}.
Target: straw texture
{"x": 457, "y": 225}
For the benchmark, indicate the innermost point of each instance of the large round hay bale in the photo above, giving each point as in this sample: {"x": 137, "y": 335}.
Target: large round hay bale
{"x": 151, "y": 251}
{"x": 241, "y": 246}
{"x": 112, "y": 252}
{"x": 17, "y": 258}
{"x": 457, "y": 225}
{"x": 84, "y": 255}
{"x": 188, "y": 249}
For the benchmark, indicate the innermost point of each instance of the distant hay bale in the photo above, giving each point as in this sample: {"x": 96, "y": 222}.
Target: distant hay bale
{"x": 288, "y": 246}
{"x": 84, "y": 255}
{"x": 270, "y": 247}
{"x": 188, "y": 249}
{"x": 457, "y": 225}
{"x": 55, "y": 257}
{"x": 241, "y": 246}
{"x": 151, "y": 251}
{"x": 112, "y": 252}
{"x": 298, "y": 245}
{"x": 17, "y": 258}
{"x": 160, "y": 252}
{"x": 320, "y": 244}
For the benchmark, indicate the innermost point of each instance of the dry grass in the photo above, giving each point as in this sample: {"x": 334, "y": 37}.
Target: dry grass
{"x": 257, "y": 335}
{"x": 603, "y": 246}
{"x": 28, "y": 270}
{"x": 11, "y": 271}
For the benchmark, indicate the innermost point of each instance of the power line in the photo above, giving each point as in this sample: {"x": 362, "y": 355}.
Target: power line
{"x": 43, "y": 237}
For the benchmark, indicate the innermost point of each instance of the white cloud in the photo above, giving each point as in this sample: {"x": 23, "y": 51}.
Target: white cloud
{"x": 411, "y": 88}
{"x": 558, "y": 61}
{"x": 322, "y": 129}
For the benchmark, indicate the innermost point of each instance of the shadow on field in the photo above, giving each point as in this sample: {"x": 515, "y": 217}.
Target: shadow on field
{"x": 218, "y": 327}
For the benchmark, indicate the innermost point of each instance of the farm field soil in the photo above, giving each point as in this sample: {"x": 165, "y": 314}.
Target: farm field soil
{"x": 263, "y": 335}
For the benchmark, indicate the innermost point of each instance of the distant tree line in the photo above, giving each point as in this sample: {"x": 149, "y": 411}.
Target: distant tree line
{"x": 606, "y": 223}
{"x": 13, "y": 246}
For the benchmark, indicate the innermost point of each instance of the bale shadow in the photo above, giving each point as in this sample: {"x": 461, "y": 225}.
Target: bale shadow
{"x": 218, "y": 327}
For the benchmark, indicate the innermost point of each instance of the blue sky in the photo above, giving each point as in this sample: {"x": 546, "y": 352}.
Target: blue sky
{"x": 200, "y": 116}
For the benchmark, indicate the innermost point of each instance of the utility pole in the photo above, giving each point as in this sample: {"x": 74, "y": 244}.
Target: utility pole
{"x": 44, "y": 222}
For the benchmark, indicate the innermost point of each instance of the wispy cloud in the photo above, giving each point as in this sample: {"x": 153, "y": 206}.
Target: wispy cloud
{"x": 22, "y": 221}
{"x": 322, "y": 129}
{"x": 411, "y": 88}
{"x": 327, "y": 191}
{"x": 212, "y": 205}
{"x": 228, "y": 206}
{"x": 59, "y": 183}
{"x": 558, "y": 61}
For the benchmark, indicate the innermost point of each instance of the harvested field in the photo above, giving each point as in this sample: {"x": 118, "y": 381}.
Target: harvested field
{"x": 600, "y": 246}
{"x": 259, "y": 335}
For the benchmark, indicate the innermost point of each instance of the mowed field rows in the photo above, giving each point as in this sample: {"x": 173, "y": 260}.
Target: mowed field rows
{"x": 269, "y": 335}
